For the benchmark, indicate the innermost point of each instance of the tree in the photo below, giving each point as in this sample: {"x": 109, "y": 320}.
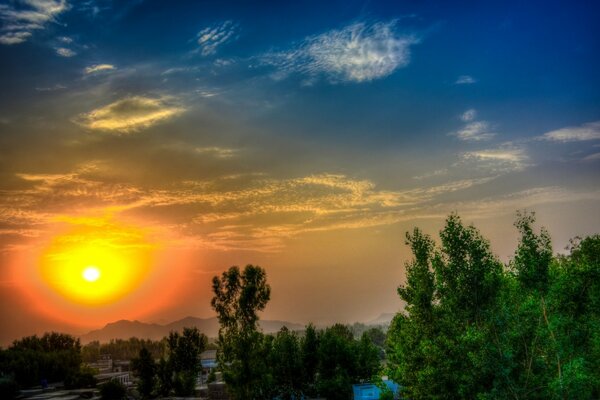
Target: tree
{"x": 310, "y": 359}
{"x": 527, "y": 331}
{"x": 52, "y": 357}
{"x": 145, "y": 369}
{"x": 164, "y": 375}
{"x": 238, "y": 296}
{"x": 286, "y": 364}
{"x": 113, "y": 390}
{"x": 184, "y": 359}
{"x": 534, "y": 254}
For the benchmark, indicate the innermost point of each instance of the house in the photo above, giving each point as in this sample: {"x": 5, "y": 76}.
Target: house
{"x": 369, "y": 391}
{"x": 208, "y": 359}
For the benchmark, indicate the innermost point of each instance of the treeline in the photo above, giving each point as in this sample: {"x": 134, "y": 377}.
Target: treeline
{"x": 474, "y": 328}
{"x": 33, "y": 360}
{"x": 286, "y": 365}
{"x": 123, "y": 349}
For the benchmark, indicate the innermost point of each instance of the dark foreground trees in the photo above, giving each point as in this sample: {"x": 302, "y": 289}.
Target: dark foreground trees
{"x": 286, "y": 365}
{"x": 31, "y": 360}
{"x": 475, "y": 329}
{"x": 175, "y": 374}
{"x": 242, "y": 355}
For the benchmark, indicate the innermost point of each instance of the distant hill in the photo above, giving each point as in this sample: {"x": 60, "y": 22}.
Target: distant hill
{"x": 383, "y": 319}
{"x": 125, "y": 329}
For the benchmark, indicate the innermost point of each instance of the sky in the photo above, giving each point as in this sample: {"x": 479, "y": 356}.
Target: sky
{"x": 147, "y": 146}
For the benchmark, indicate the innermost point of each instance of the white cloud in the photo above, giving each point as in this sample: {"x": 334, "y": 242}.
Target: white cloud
{"x": 14, "y": 37}
{"x": 212, "y": 37}
{"x": 503, "y": 159}
{"x": 359, "y": 52}
{"x": 473, "y": 130}
{"x": 589, "y": 131}
{"x": 130, "y": 114}
{"x": 468, "y": 115}
{"x": 22, "y": 17}
{"x": 99, "y": 68}
{"x": 465, "y": 80}
{"x": 65, "y": 52}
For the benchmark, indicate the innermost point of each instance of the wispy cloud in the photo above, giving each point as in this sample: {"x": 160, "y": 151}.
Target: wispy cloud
{"x": 58, "y": 86}
{"x": 359, "y": 52}
{"x": 589, "y": 131}
{"x": 99, "y": 68}
{"x": 465, "y": 80}
{"x": 130, "y": 114}
{"x": 214, "y": 36}
{"x": 219, "y": 152}
{"x": 592, "y": 157}
{"x": 65, "y": 52}
{"x": 473, "y": 130}
{"x": 468, "y": 115}
{"x": 503, "y": 159}
{"x": 254, "y": 212}
{"x": 21, "y": 18}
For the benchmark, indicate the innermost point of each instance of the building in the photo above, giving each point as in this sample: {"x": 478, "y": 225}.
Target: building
{"x": 369, "y": 391}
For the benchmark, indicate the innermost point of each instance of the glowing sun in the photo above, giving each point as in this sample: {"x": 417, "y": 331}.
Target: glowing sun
{"x": 97, "y": 262}
{"x": 91, "y": 274}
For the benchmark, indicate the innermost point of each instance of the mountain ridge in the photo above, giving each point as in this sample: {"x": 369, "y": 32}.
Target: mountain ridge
{"x": 125, "y": 329}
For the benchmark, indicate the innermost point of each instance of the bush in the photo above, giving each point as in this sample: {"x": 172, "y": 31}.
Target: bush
{"x": 84, "y": 378}
{"x": 9, "y": 389}
{"x": 113, "y": 390}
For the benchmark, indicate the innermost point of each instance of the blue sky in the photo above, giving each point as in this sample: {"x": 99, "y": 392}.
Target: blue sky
{"x": 285, "y": 133}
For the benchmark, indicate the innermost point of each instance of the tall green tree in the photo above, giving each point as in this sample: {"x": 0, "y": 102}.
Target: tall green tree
{"x": 238, "y": 296}
{"x": 184, "y": 358}
{"x": 286, "y": 364}
{"x": 310, "y": 359}
{"x": 144, "y": 367}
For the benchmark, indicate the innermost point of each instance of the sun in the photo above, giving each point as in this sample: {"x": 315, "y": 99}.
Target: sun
{"x": 97, "y": 262}
{"x": 91, "y": 273}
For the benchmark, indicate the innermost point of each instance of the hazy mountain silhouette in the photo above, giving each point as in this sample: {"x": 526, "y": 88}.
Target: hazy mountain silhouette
{"x": 383, "y": 319}
{"x": 125, "y": 329}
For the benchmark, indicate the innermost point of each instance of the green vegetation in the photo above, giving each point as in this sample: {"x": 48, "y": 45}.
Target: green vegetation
{"x": 242, "y": 353}
{"x": 32, "y": 360}
{"x": 176, "y": 374}
{"x": 285, "y": 365}
{"x": 145, "y": 368}
{"x": 113, "y": 390}
{"x": 123, "y": 349}
{"x": 474, "y": 328}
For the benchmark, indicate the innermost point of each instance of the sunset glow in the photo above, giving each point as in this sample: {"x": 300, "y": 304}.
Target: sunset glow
{"x": 147, "y": 146}
{"x": 96, "y": 262}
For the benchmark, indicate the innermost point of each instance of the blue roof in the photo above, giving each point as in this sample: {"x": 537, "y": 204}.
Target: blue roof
{"x": 369, "y": 391}
{"x": 209, "y": 363}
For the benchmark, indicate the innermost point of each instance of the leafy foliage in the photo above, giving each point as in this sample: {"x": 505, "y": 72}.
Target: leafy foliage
{"x": 113, "y": 390}
{"x": 238, "y": 296}
{"x": 473, "y": 329}
{"x": 144, "y": 367}
{"x": 52, "y": 357}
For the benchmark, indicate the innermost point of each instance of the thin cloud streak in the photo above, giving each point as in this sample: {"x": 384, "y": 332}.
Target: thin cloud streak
{"x": 465, "y": 80}
{"x": 99, "y": 68}
{"x": 130, "y": 114}
{"x": 589, "y": 131}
